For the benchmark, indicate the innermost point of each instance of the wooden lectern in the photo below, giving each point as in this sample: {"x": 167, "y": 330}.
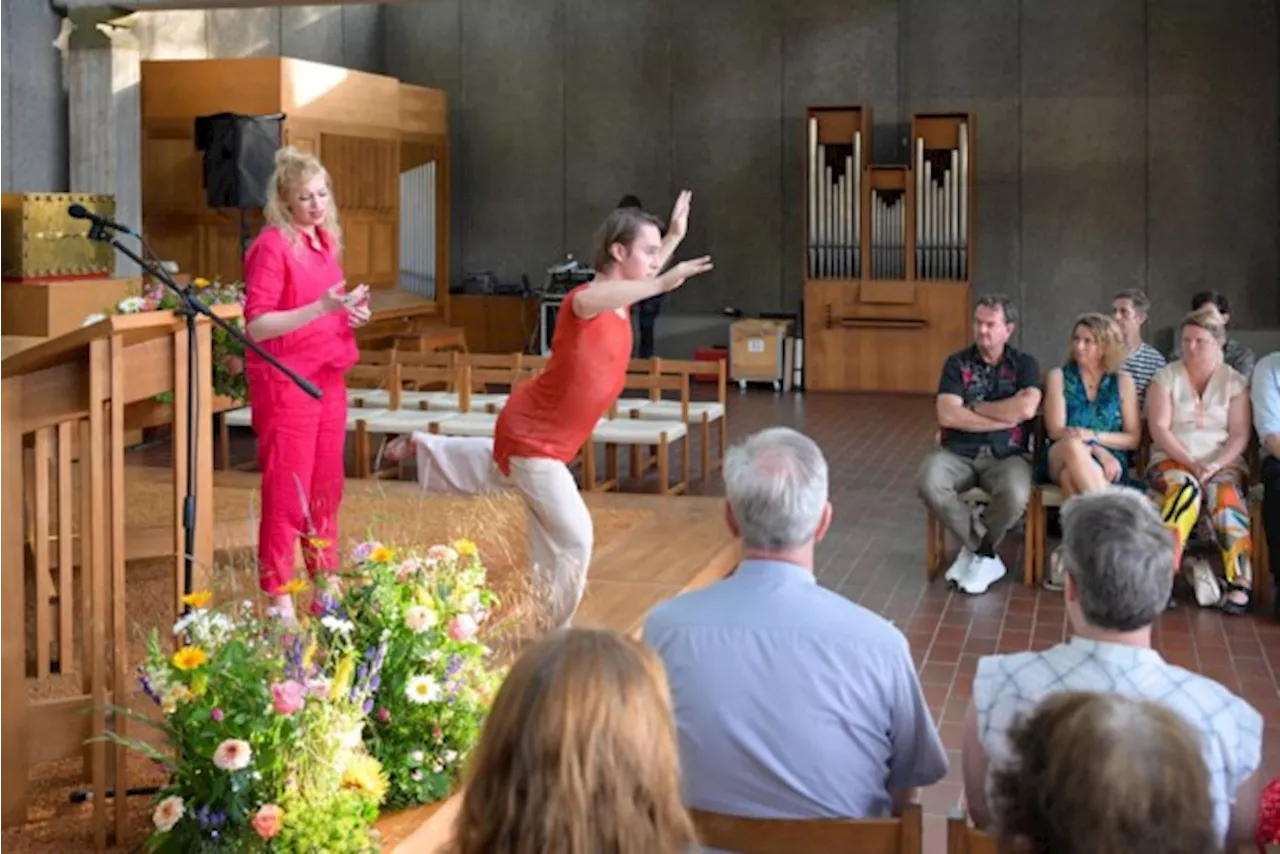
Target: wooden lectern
{"x": 66, "y": 409}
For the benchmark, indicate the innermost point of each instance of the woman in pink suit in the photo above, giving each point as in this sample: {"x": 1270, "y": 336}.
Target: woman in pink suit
{"x": 298, "y": 309}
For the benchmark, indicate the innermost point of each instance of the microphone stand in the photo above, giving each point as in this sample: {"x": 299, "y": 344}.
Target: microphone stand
{"x": 189, "y": 308}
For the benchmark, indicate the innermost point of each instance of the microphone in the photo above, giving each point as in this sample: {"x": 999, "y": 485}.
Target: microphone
{"x": 79, "y": 211}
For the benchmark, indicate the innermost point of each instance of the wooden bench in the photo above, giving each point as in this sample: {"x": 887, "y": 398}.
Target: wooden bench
{"x": 902, "y": 835}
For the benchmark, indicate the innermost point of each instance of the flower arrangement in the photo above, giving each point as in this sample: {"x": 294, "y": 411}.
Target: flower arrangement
{"x": 436, "y": 681}
{"x": 264, "y": 729}
{"x": 228, "y": 353}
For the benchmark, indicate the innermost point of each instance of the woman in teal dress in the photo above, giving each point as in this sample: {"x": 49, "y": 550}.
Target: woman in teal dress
{"x": 1091, "y": 413}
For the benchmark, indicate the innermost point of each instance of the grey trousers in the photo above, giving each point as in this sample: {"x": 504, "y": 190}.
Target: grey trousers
{"x": 945, "y": 476}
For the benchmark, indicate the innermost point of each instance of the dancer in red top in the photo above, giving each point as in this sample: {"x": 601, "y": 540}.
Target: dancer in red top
{"x": 297, "y": 307}
{"x": 548, "y": 419}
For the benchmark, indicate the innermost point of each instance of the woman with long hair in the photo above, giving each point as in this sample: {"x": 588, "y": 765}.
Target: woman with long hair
{"x": 1103, "y": 774}
{"x": 298, "y": 309}
{"x": 1198, "y": 414}
{"x": 1091, "y": 410}
{"x": 578, "y": 755}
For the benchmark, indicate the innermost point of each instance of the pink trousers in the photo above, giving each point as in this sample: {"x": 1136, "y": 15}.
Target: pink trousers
{"x": 301, "y": 443}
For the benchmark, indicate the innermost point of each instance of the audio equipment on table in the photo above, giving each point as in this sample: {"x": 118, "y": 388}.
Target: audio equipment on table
{"x": 562, "y": 278}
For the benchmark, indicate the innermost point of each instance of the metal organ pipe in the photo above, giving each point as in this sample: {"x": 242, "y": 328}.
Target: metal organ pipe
{"x": 833, "y": 186}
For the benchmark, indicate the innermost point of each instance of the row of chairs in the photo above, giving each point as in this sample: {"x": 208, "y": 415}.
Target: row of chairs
{"x": 449, "y": 393}
{"x": 1046, "y": 497}
{"x": 901, "y": 835}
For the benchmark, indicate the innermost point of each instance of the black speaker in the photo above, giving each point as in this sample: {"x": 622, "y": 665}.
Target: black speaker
{"x": 239, "y": 156}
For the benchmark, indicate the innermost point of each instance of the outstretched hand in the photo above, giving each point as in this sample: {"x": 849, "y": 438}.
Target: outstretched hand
{"x": 675, "y": 277}
{"x": 679, "y": 224}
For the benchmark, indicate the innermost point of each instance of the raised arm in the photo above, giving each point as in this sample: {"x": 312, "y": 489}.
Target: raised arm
{"x": 676, "y": 228}
{"x": 601, "y": 297}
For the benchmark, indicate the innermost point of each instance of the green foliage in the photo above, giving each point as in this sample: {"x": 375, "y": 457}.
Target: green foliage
{"x": 436, "y": 683}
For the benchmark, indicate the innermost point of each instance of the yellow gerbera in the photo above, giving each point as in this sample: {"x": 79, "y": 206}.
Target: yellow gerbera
{"x": 381, "y": 554}
{"x": 198, "y": 599}
{"x": 292, "y": 586}
{"x": 189, "y": 658}
{"x": 465, "y": 547}
{"x": 364, "y": 773}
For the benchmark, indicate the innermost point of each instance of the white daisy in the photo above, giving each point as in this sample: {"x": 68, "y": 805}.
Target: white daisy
{"x": 423, "y": 689}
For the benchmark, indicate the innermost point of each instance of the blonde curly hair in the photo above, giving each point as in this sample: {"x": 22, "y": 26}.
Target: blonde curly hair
{"x": 294, "y": 168}
{"x": 1106, "y": 332}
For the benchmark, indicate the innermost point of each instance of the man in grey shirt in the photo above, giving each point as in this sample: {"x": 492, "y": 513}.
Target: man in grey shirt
{"x": 791, "y": 701}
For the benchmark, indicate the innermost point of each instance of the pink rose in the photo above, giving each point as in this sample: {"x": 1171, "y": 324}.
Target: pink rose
{"x": 288, "y": 697}
{"x": 384, "y": 715}
{"x": 234, "y": 365}
{"x": 267, "y": 821}
{"x": 463, "y": 627}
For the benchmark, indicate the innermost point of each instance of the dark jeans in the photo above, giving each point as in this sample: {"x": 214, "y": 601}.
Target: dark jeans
{"x": 1271, "y": 514}
{"x": 647, "y": 312}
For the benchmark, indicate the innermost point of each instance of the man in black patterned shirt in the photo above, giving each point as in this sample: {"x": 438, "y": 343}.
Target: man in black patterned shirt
{"x": 987, "y": 398}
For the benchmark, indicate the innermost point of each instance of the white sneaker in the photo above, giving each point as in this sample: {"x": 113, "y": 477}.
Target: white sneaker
{"x": 983, "y": 572}
{"x": 960, "y": 567}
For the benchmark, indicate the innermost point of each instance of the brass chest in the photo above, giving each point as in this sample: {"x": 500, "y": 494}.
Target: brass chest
{"x": 40, "y": 240}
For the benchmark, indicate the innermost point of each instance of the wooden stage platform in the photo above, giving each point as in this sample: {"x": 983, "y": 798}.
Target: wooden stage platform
{"x": 648, "y": 549}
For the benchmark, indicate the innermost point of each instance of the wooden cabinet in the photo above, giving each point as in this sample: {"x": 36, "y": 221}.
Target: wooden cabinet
{"x": 882, "y": 336}
{"x": 495, "y": 323}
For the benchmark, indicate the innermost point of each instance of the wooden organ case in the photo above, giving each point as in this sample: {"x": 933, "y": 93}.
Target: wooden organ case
{"x": 889, "y": 253}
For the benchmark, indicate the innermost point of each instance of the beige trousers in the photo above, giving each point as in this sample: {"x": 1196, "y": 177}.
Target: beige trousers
{"x": 560, "y": 529}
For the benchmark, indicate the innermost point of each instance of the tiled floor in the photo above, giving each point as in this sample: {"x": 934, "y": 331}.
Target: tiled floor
{"x": 875, "y": 555}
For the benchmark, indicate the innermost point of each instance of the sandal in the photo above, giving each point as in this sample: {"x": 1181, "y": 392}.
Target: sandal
{"x": 1231, "y": 606}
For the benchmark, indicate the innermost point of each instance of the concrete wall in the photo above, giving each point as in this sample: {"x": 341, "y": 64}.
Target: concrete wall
{"x": 33, "y": 150}
{"x": 1120, "y": 143}
{"x": 35, "y": 106}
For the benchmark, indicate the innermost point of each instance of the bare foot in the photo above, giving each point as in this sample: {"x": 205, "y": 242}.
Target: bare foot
{"x": 399, "y": 449}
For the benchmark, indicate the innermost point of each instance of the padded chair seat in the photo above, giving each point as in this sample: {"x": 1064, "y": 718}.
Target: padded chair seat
{"x": 448, "y": 401}
{"x": 368, "y": 398}
{"x": 1051, "y": 496}
{"x": 394, "y": 422}
{"x": 637, "y": 431}
{"x": 669, "y": 410}
{"x": 242, "y": 417}
{"x": 481, "y": 424}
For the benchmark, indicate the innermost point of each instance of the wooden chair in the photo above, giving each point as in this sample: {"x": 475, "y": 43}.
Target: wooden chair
{"x": 1045, "y": 497}
{"x": 903, "y": 835}
{"x": 936, "y": 536}
{"x": 701, "y": 413}
{"x": 404, "y": 418}
{"x": 963, "y": 838}
{"x": 637, "y": 432}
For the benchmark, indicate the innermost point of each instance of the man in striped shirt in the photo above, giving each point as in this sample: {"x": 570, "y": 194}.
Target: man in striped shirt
{"x": 1130, "y": 309}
